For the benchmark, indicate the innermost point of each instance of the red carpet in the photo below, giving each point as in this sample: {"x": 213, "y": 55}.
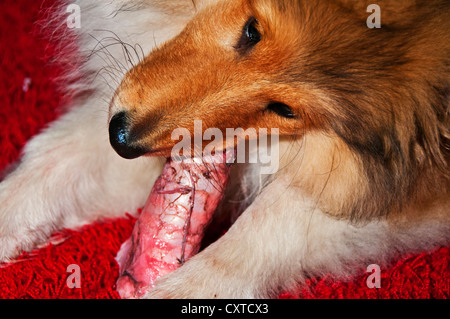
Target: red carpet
{"x": 29, "y": 100}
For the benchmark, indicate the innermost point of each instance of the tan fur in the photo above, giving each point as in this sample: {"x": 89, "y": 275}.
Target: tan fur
{"x": 383, "y": 90}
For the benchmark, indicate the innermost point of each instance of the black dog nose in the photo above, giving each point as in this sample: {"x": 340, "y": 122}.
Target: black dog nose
{"x": 119, "y": 137}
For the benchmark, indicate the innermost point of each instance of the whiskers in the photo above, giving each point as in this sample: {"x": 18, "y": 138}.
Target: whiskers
{"x": 116, "y": 56}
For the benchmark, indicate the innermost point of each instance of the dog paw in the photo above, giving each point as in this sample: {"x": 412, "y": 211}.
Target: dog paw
{"x": 177, "y": 286}
{"x": 9, "y": 241}
{"x": 15, "y": 239}
{"x": 9, "y": 248}
{"x": 200, "y": 279}
{"x": 20, "y": 222}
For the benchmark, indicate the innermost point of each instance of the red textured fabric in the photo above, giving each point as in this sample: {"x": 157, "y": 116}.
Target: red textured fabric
{"x": 29, "y": 100}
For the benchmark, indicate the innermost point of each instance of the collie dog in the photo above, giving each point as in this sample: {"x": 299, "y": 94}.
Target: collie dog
{"x": 363, "y": 124}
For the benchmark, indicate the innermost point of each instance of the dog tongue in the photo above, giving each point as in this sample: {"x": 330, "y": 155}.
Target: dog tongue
{"x": 171, "y": 226}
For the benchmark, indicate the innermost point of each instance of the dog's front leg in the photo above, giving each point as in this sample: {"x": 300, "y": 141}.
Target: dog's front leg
{"x": 68, "y": 175}
{"x": 281, "y": 237}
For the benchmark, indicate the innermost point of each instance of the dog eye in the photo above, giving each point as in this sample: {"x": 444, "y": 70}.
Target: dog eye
{"x": 251, "y": 32}
{"x": 281, "y": 109}
{"x": 250, "y": 36}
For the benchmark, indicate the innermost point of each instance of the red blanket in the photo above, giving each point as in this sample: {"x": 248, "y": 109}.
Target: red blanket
{"x": 29, "y": 100}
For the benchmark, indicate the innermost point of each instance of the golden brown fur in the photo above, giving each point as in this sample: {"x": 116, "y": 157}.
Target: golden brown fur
{"x": 382, "y": 94}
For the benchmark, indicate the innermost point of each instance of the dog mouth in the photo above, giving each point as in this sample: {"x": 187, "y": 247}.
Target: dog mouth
{"x": 172, "y": 224}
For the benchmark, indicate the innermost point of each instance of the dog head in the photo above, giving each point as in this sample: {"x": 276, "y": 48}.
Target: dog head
{"x": 300, "y": 66}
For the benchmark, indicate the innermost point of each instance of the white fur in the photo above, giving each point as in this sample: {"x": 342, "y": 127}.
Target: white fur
{"x": 69, "y": 175}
